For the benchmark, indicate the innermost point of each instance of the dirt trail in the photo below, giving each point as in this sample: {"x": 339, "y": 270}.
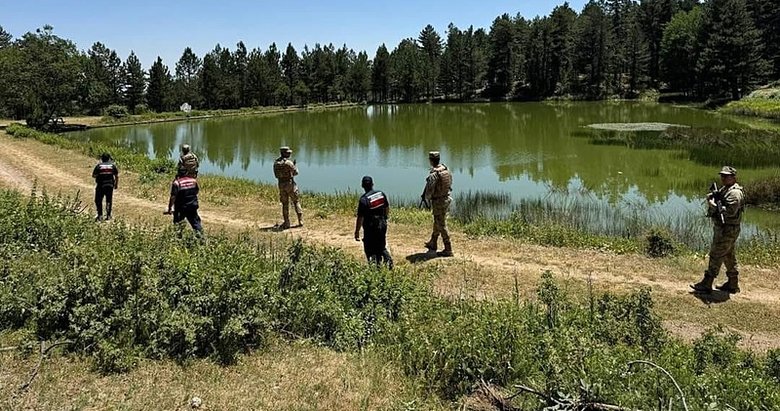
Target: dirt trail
{"x": 482, "y": 268}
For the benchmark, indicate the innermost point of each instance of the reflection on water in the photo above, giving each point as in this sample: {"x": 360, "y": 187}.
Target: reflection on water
{"x": 525, "y": 150}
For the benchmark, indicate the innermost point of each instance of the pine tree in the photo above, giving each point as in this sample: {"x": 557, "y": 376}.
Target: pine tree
{"x": 359, "y": 83}
{"x": 135, "y": 82}
{"x": 500, "y": 75}
{"x": 158, "y": 95}
{"x": 240, "y": 66}
{"x": 259, "y": 92}
{"x": 431, "y": 47}
{"x": 593, "y": 49}
{"x": 187, "y": 79}
{"x": 104, "y": 78}
{"x": 406, "y": 70}
{"x": 562, "y": 21}
{"x": 380, "y": 81}
{"x": 653, "y": 16}
{"x": 272, "y": 58}
{"x": 291, "y": 66}
{"x": 730, "y": 61}
{"x": 766, "y": 18}
{"x": 210, "y": 81}
{"x": 5, "y": 38}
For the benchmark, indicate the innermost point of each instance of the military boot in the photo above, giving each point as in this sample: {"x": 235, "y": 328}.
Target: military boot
{"x": 286, "y": 216}
{"x": 732, "y": 285}
{"x": 432, "y": 244}
{"x": 705, "y": 285}
{"x": 447, "y": 252}
{"x": 300, "y": 219}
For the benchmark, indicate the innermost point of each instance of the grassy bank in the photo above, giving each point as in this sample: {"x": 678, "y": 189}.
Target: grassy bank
{"x": 763, "y": 102}
{"x": 152, "y": 117}
{"x": 122, "y": 296}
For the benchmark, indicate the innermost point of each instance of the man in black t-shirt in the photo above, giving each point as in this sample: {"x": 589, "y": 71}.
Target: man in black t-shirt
{"x": 372, "y": 212}
{"x": 184, "y": 201}
{"x": 106, "y": 175}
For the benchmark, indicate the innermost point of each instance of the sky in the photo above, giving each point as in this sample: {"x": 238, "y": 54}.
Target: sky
{"x": 165, "y": 27}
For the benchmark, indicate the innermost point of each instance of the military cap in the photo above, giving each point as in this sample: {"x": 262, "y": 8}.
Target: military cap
{"x": 433, "y": 154}
{"x": 728, "y": 171}
{"x": 285, "y": 149}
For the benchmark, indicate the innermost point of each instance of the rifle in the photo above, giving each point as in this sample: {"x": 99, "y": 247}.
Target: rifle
{"x": 424, "y": 202}
{"x": 716, "y": 196}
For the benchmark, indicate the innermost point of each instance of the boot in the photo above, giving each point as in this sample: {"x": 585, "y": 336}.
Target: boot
{"x": 447, "y": 252}
{"x": 432, "y": 244}
{"x": 300, "y": 219}
{"x": 286, "y": 216}
{"x": 705, "y": 285}
{"x": 108, "y": 211}
{"x": 731, "y": 286}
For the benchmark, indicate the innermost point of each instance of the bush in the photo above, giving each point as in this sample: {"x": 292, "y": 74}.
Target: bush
{"x": 659, "y": 243}
{"x": 116, "y": 111}
{"x": 141, "y": 109}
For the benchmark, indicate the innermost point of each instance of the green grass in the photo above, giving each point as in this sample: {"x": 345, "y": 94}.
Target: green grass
{"x": 756, "y": 107}
{"x": 123, "y": 296}
{"x": 180, "y": 115}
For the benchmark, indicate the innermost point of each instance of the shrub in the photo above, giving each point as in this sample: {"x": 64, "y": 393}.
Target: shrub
{"x": 659, "y": 243}
{"x": 116, "y": 111}
{"x": 141, "y": 109}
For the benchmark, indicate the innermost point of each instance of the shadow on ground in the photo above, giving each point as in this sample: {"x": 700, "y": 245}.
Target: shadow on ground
{"x": 715, "y": 297}
{"x": 421, "y": 257}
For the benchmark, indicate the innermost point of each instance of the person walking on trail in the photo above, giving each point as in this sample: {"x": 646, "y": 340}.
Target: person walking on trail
{"x": 183, "y": 202}
{"x": 725, "y": 207}
{"x": 372, "y": 212}
{"x": 106, "y": 175}
{"x": 285, "y": 170}
{"x": 188, "y": 162}
{"x": 438, "y": 186}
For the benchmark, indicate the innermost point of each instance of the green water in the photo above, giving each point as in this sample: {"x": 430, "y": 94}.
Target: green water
{"x": 526, "y": 150}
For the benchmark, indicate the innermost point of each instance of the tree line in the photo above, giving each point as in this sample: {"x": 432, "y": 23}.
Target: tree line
{"x": 611, "y": 48}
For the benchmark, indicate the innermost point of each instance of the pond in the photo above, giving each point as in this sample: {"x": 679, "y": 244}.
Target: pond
{"x": 515, "y": 152}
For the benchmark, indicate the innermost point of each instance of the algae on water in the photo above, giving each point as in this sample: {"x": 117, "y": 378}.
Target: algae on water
{"x": 634, "y": 126}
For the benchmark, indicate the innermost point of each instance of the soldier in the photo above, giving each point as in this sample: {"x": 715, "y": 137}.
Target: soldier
{"x": 373, "y": 209}
{"x": 183, "y": 202}
{"x": 188, "y": 162}
{"x": 438, "y": 186}
{"x": 106, "y": 175}
{"x": 726, "y": 227}
{"x": 284, "y": 171}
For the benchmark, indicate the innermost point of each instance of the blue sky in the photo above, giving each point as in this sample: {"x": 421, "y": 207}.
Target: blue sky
{"x": 165, "y": 28}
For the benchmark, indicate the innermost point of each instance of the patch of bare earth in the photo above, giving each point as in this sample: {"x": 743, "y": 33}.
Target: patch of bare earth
{"x": 482, "y": 268}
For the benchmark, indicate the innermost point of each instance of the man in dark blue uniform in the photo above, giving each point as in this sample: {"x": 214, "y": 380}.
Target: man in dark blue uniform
{"x": 372, "y": 212}
{"x": 184, "y": 201}
{"x": 106, "y": 175}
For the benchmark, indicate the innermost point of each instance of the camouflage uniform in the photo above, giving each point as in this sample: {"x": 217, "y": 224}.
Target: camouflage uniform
{"x": 284, "y": 171}
{"x": 438, "y": 186}
{"x": 724, "y": 237}
{"x": 188, "y": 163}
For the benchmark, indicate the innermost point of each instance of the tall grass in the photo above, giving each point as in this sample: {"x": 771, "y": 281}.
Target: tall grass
{"x": 756, "y": 107}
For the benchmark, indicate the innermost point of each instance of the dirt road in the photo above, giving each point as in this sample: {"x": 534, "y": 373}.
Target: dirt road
{"x": 482, "y": 268}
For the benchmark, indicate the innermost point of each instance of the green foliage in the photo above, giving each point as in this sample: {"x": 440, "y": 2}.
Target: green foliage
{"x": 757, "y": 107}
{"x": 121, "y": 294}
{"x": 659, "y": 243}
{"x": 116, "y": 111}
